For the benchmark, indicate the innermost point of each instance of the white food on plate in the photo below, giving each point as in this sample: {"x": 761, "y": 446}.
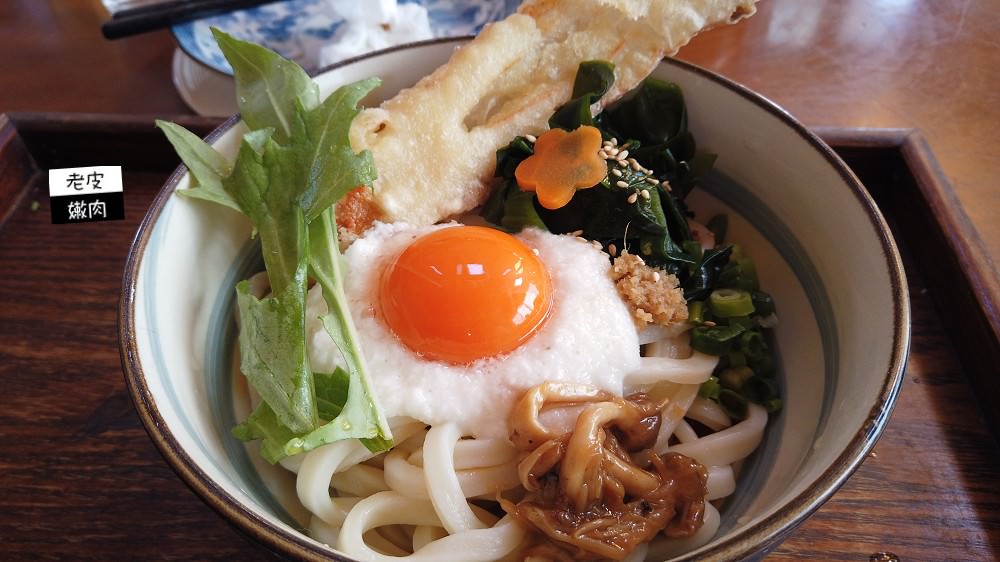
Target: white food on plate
{"x": 374, "y": 25}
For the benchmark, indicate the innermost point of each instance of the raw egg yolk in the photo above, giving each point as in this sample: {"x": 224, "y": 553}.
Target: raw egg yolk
{"x": 465, "y": 293}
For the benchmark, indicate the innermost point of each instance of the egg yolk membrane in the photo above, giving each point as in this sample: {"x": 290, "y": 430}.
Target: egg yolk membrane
{"x": 465, "y": 293}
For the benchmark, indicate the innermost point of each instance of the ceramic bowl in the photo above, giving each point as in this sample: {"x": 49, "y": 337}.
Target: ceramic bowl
{"x": 821, "y": 246}
{"x": 298, "y": 29}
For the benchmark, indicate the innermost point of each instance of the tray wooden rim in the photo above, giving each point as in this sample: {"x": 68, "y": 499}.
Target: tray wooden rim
{"x": 933, "y": 218}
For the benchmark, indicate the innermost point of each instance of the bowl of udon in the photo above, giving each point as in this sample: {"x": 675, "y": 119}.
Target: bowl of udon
{"x": 657, "y": 454}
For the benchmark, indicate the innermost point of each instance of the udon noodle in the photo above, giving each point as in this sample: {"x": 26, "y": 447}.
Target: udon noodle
{"x": 439, "y": 496}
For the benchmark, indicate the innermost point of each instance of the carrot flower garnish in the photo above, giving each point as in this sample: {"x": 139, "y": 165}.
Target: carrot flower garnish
{"x": 563, "y": 162}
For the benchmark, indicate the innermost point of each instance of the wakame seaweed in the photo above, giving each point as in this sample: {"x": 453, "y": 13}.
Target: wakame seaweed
{"x": 652, "y": 124}
{"x": 640, "y": 207}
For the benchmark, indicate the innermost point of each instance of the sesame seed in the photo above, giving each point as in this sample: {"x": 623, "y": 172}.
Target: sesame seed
{"x": 531, "y": 138}
{"x": 621, "y": 183}
{"x": 576, "y": 233}
{"x": 603, "y": 155}
{"x": 617, "y": 172}
{"x": 708, "y": 323}
{"x": 623, "y": 154}
{"x": 632, "y": 198}
{"x": 652, "y": 181}
{"x": 613, "y": 151}
{"x": 612, "y": 249}
{"x": 635, "y": 165}
{"x": 613, "y": 140}
{"x": 534, "y": 251}
{"x": 666, "y": 185}
{"x": 623, "y": 163}
{"x": 656, "y": 276}
{"x": 645, "y": 194}
{"x": 597, "y": 245}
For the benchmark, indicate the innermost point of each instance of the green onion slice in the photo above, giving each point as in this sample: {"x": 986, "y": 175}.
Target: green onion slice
{"x": 727, "y": 303}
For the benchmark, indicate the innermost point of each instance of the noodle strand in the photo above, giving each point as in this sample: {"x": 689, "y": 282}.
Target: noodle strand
{"x": 391, "y": 508}
{"x": 442, "y": 482}
{"x": 728, "y": 445}
{"x": 315, "y": 473}
{"x": 693, "y": 370}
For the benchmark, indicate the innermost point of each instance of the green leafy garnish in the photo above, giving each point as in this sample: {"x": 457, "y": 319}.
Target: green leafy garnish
{"x": 292, "y": 166}
{"x": 641, "y": 208}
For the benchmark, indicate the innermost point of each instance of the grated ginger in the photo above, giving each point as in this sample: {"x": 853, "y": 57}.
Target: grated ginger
{"x": 654, "y": 296}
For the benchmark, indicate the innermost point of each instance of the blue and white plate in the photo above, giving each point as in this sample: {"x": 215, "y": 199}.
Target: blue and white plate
{"x": 298, "y": 29}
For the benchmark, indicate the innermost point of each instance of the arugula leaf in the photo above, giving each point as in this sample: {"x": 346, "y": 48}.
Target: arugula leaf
{"x": 266, "y": 193}
{"x": 204, "y": 162}
{"x": 267, "y": 86}
{"x": 360, "y": 414}
{"x": 273, "y": 353}
{"x": 264, "y": 425}
{"x": 292, "y": 166}
{"x": 331, "y": 392}
{"x": 321, "y": 144}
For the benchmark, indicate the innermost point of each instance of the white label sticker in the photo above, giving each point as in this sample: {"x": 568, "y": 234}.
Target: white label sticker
{"x": 85, "y": 181}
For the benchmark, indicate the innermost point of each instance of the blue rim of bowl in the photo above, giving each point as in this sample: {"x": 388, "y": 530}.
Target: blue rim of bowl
{"x": 758, "y": 539}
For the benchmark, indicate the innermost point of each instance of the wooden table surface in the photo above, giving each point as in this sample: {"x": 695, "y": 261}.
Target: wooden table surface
{"x": 79, "y": 479}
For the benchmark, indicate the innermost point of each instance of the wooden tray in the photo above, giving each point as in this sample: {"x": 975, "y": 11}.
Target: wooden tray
{"x": 79, "y": 478}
